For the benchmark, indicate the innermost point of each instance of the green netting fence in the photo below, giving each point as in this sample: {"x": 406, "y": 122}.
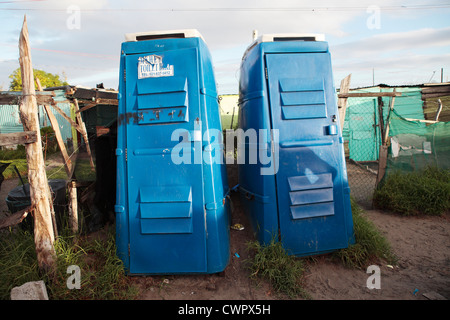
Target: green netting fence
{"x": 416, "y": 145}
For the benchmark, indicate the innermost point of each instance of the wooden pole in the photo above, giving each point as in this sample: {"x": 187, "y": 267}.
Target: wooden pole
{"x": 381, "y": 119}
{"x": 388, "y": 121}
{"x": 39, "y": 190}
{"x": 65, "y": 116}
{"x": 73, "y": 208}
{"x": 369, "y": 94}
{"x": 383, "y": 154}
{"x": 83, "y": 132}
{"x": 342, "y": 102}
{"x": 25, "y": 137}
{"x": 59, "y": 139}
{"x": 232, "y": 119}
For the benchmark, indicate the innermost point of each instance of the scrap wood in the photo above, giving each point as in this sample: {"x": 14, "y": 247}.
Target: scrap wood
{"x": 432, "y": 295}
{"x": 16, "y": 98}
{"x": 98, "y": 101}
{"x": 18, "y": 138}
{"x": 89, "y": 106}
{"x": 369, "y": 94}
{"x": 84, "y": 133}
{"x": 59, "y": 139}
{"x": 15, "y": 218}
{"x": 65, "y": 116}
{"x": 44, "y": 97}
{"x": 363, "y": 167}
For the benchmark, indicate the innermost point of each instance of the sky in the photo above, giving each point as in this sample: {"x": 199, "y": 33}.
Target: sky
{"x": 395, "y": 42}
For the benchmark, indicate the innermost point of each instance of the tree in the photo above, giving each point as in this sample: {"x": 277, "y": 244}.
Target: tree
{"x": 47, "y": 80}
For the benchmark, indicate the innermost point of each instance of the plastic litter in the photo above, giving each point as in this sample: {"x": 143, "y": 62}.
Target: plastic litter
{"x": 237, "y": 226}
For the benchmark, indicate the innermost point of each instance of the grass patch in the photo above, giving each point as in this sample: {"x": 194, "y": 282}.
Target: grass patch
{"x": 10, "y": 172}
{"x": 272, "y": 263}
{"x": 285, "y": 272}
{"x": 414, "y": 193}
{"x": 18, "y": 262}
{"x": 83, "y": 171}
{"x": 370, "y": 245}
{"x": 17, "y": 157}
{"x": 102, "y": 273}
{"x": 7, "y": 154}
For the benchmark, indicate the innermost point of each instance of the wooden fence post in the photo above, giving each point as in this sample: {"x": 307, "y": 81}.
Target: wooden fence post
{"x": 383, "y": 154}
{"x": 342, "y": 102}
{"x": 73, "y": 207}
{"x": 39, "y": 189}
{"x": 83, "y": 132}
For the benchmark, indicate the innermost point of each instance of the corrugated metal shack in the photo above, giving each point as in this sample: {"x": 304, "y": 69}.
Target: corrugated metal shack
{"x": 10, "y": 120}
{"x": 98, "y": 108}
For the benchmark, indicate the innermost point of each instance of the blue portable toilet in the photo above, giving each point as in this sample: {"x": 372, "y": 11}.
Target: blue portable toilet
{"x": 172, "y": 209}
{"x": 303, "y": 197}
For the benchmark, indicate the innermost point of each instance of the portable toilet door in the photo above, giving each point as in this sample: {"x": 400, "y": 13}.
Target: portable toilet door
{"x": 312, "y": 197}
{"x": 171, "y": 213}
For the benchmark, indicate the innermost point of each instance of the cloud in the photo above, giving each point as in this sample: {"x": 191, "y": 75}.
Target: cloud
{"x": 103, "y": 24}
{"x": 398, "y": 42}
{"x": 397, "y": 58}
{"x": 90, "y": 54}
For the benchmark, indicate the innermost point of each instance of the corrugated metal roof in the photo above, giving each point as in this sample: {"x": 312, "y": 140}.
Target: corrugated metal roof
{"x": 10, "y": 118}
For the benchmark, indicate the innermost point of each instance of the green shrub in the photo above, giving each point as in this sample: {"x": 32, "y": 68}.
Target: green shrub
{"x": 49, "y": 142}
{"x": 422, "y": 192}
{"x": 7, "y": 154}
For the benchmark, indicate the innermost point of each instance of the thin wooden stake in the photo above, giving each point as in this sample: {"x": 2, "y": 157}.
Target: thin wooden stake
{"x": 383, "y": 154}
{"x": 59, "y": 139}
{"x": 44, "y": 236}
{"x": 65, "y": 116}
{"x": 342, "y": 102}
{"x": 388, "y": 121}
{"x": 73, "y": 207}
{"x": 84, "y": 132}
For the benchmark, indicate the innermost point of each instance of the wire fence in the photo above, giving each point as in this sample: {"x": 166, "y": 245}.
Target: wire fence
{"x": 413, "y": 139}
{"x": 362, "y": 141}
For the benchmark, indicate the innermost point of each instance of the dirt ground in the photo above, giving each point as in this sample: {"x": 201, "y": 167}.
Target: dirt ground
{"x": 422, "y": 245}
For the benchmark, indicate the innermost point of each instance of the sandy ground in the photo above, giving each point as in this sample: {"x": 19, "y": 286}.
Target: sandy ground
{"x": 422, "y": 245}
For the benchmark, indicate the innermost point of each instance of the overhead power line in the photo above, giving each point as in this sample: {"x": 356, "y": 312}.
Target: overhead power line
{"x": 255, "y": 9}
